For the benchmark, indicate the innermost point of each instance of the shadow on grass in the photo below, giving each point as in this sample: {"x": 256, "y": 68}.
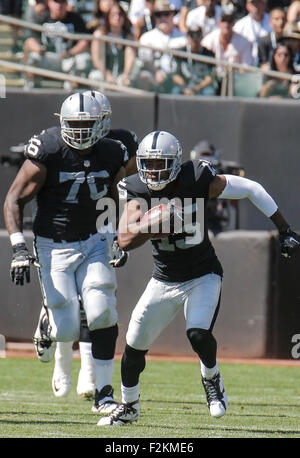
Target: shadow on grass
{"x": 225, "y": 429}
{"x": 232, "y": 403}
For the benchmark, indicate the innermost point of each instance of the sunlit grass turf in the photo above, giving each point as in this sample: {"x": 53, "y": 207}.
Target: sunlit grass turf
{"x": 264, "y": 403}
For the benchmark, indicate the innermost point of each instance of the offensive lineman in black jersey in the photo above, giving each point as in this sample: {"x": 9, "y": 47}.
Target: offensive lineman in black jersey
{"x": 187, "y": 272}
{"x": 69, "y": 168}
{"x": 61, "y": 380}
{"x": 127, "y": 137}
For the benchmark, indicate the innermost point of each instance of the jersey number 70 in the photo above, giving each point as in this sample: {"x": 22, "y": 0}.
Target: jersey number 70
{"x": 78, "y": 178}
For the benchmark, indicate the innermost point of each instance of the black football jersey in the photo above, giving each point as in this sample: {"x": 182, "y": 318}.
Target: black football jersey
{"x": 66, "y": 204}
{"x": 189, "y": 254}
{"x": 127, "y": 137}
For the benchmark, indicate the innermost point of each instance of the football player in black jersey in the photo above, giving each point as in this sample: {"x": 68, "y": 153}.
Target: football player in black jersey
{"x": 64, "y": 350}
{"x": 187, "y": 272}
{"x": 68, "y": 169}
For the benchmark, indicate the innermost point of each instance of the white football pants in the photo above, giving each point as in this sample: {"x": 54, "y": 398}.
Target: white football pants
{"x": 70, "y": 269}
{"x": 161, "y": 301}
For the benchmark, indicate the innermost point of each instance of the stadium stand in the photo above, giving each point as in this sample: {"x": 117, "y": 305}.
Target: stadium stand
{"x": 11, "y": 50}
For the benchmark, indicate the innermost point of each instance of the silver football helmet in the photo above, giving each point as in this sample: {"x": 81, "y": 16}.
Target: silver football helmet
{"x": 163, "y": 147}
{"x": 105, "y": 110}
{"x": 80, "y": 119}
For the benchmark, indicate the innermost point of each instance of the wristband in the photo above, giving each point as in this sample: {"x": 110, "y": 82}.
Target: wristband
{"x": 19, "y": 247}
{"x": 16, "y": 238}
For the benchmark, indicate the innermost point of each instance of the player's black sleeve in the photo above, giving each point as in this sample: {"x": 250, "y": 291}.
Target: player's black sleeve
{"x": 204, "y": 175}
{"x": 119, "y": 152}
{"x": 131, "y": 144}
{"x": 40, "y": 146}
{"x": 128, "y": 138}
{"x": 128, "y": 189}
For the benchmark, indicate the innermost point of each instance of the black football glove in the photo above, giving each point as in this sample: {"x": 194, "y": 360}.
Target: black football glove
{"x": 20, "y": 264}
{"x": 119, "y": 256}
{"x": 289, "y": 242}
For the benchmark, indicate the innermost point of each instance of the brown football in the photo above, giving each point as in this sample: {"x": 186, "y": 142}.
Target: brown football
{"x": 153, "y": 215}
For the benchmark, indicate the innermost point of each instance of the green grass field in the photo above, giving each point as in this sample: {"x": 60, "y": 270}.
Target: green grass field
{"x": 264, "y": 403}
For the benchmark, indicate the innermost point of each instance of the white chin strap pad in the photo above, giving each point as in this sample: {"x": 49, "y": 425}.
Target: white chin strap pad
{"x": 242, "y": 188}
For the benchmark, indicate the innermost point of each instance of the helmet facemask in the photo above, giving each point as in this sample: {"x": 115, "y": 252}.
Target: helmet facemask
{"x": 157, "y": 169}
{"x": 80, "y": 134}
{"x": 80, "y": 121}
{"x": 158, "y": 159}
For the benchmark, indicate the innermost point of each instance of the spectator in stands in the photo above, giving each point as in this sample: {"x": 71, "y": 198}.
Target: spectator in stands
{"x": 282, "y": 61}
{"x": 186, "y": 7}
{"x": 206, "y": 16}
{"x": 227, "y": 45}
{"x": 194, "y": 77}
{"x": 268, "y": 43}
{"x": 153, "y": 67}
{"x": 101, "y": 9}
{"x": 37, "y": 12}
{"x": 236, "y": 7}
{"x": 47, "y": 50}
{"x": 119, "y": 59}
{"x": 293, "y": 13}
{"x": 291, "y": 36}
{"x": 137, "y": 9}
{"x": 13, "y": 8}
{"x": 145, "y": 22}
{"x": 255, "y": 25}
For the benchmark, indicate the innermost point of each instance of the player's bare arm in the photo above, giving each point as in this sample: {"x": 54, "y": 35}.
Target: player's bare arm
{"x": 132, "y": 233}
{"x": 25, "y": 187}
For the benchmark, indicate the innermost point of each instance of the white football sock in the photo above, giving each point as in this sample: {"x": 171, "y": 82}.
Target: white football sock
{"x": 87, "y": 360}
{"x": 130, "y": 394}
{"x": 104, "y": 372}
{"x": 63, "y": 357}
{"x": 207, "y": 372}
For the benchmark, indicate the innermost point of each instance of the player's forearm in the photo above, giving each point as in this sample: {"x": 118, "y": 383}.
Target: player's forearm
{"x": 131, "y": 232}
{"x": 13, "y": 215}
{"x": 279, "y": 221}
{"x": 129, "y": 241}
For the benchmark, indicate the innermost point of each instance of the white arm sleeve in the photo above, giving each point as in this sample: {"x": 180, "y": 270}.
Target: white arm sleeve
{"x": 241, "y": 188}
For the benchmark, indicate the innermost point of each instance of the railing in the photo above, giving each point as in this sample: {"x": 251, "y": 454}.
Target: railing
{"x": 227, "y": 83}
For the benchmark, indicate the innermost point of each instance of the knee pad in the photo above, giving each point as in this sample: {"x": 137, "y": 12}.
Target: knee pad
{"x": 201, "y": 340}
{"x": 84, "y": 335}
{"x": 132, "y": 364}
{"x": 104, "y": 342}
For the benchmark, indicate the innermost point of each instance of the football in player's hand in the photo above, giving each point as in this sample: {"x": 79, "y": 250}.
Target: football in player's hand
{"x": 154, "y": 218}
